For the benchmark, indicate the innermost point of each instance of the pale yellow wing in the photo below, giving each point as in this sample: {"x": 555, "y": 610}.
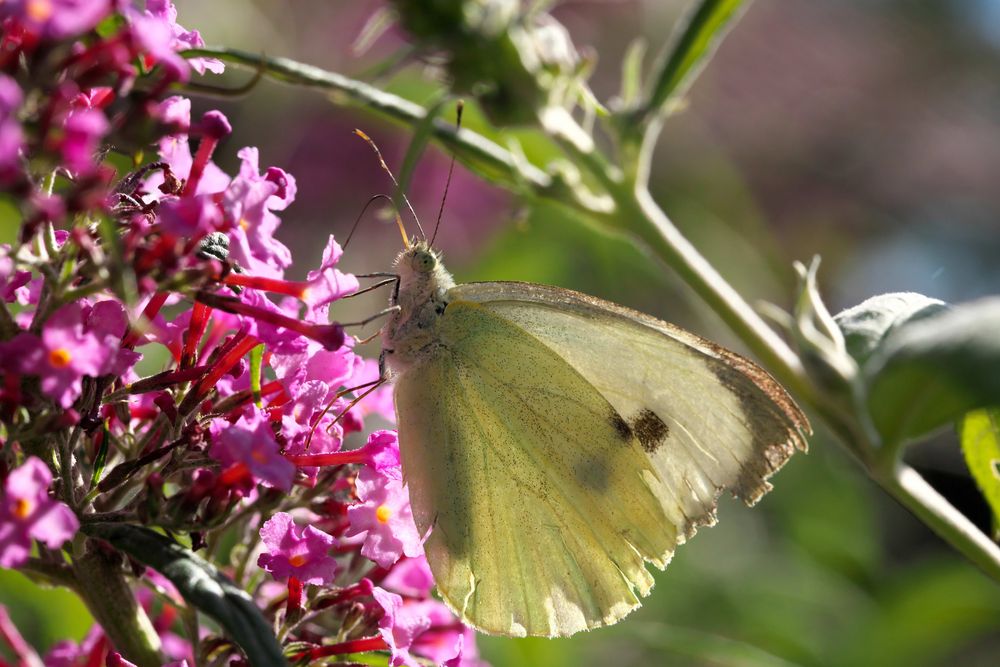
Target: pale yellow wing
{"x": 708, "y": 418}
{"x": 542, "y": 504}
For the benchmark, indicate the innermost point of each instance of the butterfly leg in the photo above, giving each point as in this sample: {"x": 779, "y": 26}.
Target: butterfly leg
{"x": 381, "y": 313}
{"x": 392, "y": 278}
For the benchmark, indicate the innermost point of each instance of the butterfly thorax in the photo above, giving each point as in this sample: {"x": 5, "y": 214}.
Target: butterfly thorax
{"x": 410, "y": 335}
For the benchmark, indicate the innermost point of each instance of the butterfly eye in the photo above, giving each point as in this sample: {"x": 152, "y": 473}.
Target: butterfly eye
{"x": 424, "y": 262}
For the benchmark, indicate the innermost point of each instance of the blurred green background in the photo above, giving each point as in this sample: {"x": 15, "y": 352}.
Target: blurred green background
{"x": 862, "y": 130}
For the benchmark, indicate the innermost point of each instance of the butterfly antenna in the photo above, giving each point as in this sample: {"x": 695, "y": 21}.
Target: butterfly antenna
{"x": 402, "y": 194}
{"x": 399, "y": 221}
{"x": 451, "y": 168}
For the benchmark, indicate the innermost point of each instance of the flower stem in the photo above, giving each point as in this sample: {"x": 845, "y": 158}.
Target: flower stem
{"x": 104, "y": 589}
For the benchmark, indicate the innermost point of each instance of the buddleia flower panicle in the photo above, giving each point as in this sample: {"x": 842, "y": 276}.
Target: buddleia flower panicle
{"x": 162, "y": 374}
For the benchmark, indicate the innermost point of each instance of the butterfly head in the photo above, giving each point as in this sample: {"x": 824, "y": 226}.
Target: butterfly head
{"x": 421, "y": 259}
{"x": 421, "y": 272}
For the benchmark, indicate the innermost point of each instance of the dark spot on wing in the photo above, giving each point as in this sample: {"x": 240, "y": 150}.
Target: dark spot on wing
{"x": 621, "y": 426}
{"x": 593, "y": 474}
{"x": 650, "y": 429}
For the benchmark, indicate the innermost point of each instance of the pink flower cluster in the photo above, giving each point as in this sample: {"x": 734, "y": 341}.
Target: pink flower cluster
{"x": 407, "y": 620}
{"x": 250, "y": 418}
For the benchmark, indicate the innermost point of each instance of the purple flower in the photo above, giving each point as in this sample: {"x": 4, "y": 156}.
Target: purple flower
{"x": 63, "y": 355}
{"x": 56, "y": 19}
{"x": 27, "y": 512}
{"x": 279, "y": 339}
{"x": 10, "y": 278}
{"x": 11, "y": 134}
{"x": 108, "y": 320}
{"x": 381, "y": 452}
{"x": 176, "y": 152}
{"x": 250, "y": 443}
{"x": 115, "y": 659}
{"x": 446, "y": 642}
{"x": 182, "y": 39}
{"x": 294, "y": 551}
{"x": 380, "y": 401}
{"x": 426, "y": 628}
{"x": 82, "y": 133}
{"x": 190, "y": 216}
{"x": 327, "y": 284}
{"x": 332, "y": 368}
{"x": 384, "y": 516}
{"x": 399, "y": 629}
{"x": 411, "y": 577}
{"x": 249, "y": 202}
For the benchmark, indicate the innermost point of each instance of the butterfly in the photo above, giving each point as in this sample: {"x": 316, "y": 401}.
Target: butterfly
{"x": 554, "y": 443}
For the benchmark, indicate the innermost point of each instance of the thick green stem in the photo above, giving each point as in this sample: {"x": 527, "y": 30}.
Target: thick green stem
{"x": 913, "y": 492}
{"x": 104, "y": 589}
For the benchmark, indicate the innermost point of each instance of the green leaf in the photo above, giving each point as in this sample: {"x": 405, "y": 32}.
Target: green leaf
{"x": 980, "y": 435}
{"x": 691, "y": 47}
{"x": 930, "y": 371}
{"x": 632, "y": 72}
{"x": 867, "y": 324}
{"x": 200, "y": 584}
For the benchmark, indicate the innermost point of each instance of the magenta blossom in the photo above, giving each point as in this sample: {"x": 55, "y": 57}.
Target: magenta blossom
{"x": 182, "y": 38}
{"x": 381, "y": 452}
{"x": 63, "y": 354}
{"x": 11, "y": 134}
{"x": 249, "y": 203}
{"x": 10, "y": 278}
{"x": 398, "y": 629}
{"x": 327, "y": 284}
{"x": 175, "y": 150}
{"x": 294, "y": 551}
{"x": 192, "y": 217}
{"x": 383, "y": 515}
{"x": 426, "y": 628}
{"x": 250, "y": 443}
{"x": 82, "y": 134}
{"x": 56, "y": 19}
{"x": 411, "y": 577}
{"x": 27, "y": 512}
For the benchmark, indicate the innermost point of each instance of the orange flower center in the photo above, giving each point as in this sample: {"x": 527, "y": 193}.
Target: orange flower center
{"x": 39, "y": 10}
{"x": 22, "y": 508}
{"x": 298, "y": 560}
{"x": 383, "y": 514}
{"x": 60, "y": 357}
{"x": 258, "y": 456}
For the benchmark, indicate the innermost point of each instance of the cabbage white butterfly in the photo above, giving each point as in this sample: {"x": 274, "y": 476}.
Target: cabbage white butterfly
{"x": 554, "y": 443}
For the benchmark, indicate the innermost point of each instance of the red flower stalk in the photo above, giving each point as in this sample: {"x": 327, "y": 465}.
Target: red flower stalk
{"x": 352, "y": 646}
{"x": 295, "y": 288}
{"x": 200, "y": 317}
{"x": 328, "y": 459}
{"x": 148, "y": 313}
{"x": 294, "y": 603}
{"x": 330, "y": 336}
{"x": 214, "y": 127}
{"x": 242, "y": 344}
{"x": 165, "y": 379}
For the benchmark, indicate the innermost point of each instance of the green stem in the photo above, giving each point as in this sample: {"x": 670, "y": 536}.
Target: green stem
{"x": 485, "y": 157}
{"x": 104, "y": 589}
{"x": 907, "y": 486}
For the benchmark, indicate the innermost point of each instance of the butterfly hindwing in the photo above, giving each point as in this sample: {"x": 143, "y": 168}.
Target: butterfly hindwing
{"x": 542, "y": 504}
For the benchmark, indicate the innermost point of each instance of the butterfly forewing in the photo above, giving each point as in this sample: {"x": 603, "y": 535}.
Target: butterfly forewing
{"x": 708, "y": 418}
{"x": 542, "y": 507}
